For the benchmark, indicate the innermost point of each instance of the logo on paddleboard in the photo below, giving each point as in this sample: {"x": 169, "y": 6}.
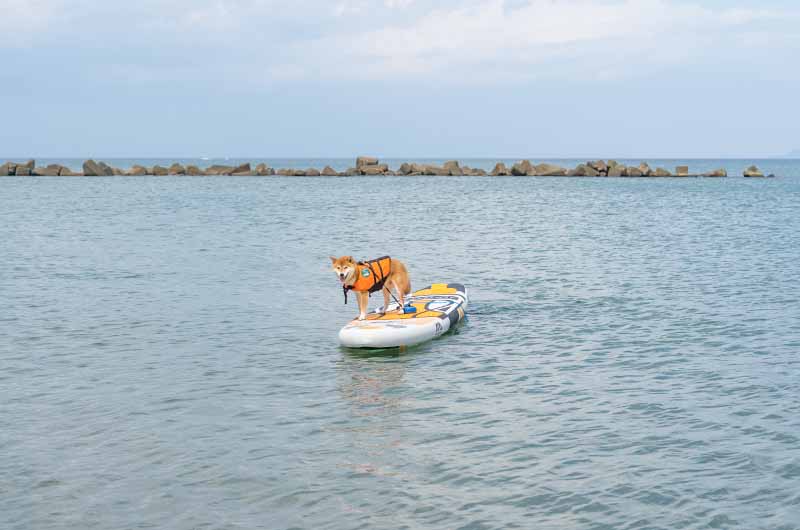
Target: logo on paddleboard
{"x": 439, "y": 305}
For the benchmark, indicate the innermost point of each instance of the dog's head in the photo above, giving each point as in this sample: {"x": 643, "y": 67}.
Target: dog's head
{"x": 345, "y": 268}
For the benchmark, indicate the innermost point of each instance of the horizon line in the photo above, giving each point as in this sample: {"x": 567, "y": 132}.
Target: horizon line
{"x": 410, "y": 158}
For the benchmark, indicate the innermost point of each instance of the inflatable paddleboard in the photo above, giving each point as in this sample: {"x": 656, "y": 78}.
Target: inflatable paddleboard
{"x": 438, "y": 309}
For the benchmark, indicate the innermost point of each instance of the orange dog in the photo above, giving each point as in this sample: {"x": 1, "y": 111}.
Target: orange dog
{"x": 365, "y": 277}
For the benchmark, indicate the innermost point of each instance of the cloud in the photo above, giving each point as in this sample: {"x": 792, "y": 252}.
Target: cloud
{"x": 22, "y": 19}
{"x": 541, "y": 38}
{"x": 391, "y": 4}
{"x": 348, "y": 8}
{"x": 457, "y": 41}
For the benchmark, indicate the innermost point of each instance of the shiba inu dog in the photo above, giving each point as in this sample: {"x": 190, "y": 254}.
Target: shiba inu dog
{"x": 365, "y": 277}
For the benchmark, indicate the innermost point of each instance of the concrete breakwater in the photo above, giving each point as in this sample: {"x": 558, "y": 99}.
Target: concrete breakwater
{"x": 366, "y": 165}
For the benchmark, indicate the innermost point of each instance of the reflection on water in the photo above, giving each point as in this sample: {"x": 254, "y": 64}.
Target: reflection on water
{"x": 371, "y": 384}
{"x": 374, "y": 390}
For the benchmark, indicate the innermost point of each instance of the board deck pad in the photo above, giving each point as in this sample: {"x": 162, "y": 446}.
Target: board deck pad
{"x": 439, "y": 308}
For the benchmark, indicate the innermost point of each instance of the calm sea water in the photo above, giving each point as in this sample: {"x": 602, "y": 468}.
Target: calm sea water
{"x": 168, "y": 355}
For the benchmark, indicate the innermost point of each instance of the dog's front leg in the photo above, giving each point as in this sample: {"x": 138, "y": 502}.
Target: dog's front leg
{"x": 363, "y": 300}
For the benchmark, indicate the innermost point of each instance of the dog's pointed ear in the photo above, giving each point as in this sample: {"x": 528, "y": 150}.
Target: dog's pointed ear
{"x": 350, "y": 258}
{"x": 333, "y": 260}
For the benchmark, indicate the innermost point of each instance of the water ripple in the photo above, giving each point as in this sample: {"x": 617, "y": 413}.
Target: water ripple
{"x": 629, "y": 361}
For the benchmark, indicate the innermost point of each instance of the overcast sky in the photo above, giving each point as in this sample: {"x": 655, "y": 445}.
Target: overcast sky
{"x": 460, "y": 78}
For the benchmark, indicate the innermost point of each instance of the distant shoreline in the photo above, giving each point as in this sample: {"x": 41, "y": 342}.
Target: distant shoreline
{"x": 371, "y": 166}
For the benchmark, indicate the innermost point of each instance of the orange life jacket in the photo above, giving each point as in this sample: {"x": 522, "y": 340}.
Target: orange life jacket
{"x": 370, "y": 276}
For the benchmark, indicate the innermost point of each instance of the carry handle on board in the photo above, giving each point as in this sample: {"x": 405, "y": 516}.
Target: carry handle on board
{"x": 408, "y": 309}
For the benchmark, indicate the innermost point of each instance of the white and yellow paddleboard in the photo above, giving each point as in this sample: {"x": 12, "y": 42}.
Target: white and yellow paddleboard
{"x": 439, "y": 308}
